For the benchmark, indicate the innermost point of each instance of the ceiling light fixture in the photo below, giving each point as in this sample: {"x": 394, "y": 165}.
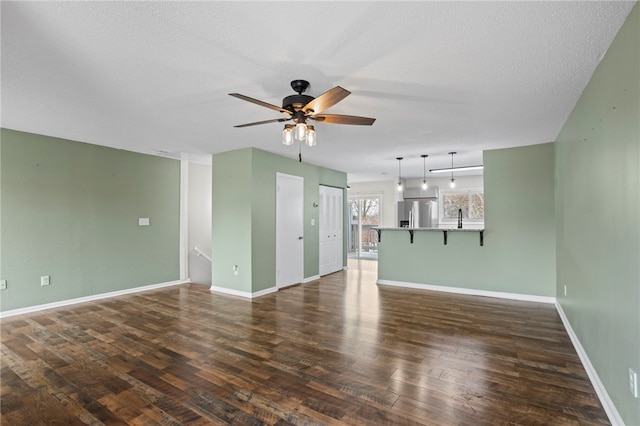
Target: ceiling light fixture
{"x": 453, "y": 181}
{"x": 457, "y": 169}
{"x": 287, "y": 134}
{"x": 399, "y": 173}
{"x": 424, "y": 171}
{"x": 301, "y": 132}
{"x": 311, "y": 136}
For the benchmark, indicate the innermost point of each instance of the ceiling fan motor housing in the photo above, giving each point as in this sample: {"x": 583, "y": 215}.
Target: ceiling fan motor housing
{"x": 295, "y": 103}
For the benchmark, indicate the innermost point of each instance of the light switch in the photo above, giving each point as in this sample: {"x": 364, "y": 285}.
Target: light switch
{"x": 313, "y": 222}
{"x": 143, "y": 221}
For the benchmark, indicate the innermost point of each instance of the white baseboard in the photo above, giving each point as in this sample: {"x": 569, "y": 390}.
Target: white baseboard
{"x": 311, "y": 278}
{"x": 245, "y": 294}
{"x": 601, "y": 391}
{"x": 470, "y": 291}
{"x": 92, "y": 298}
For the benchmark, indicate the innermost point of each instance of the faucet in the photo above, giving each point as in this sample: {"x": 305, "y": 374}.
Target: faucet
{"x": 459, "y": 218}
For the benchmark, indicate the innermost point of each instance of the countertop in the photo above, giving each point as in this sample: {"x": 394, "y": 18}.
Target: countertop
{"x": 430, "y": 229}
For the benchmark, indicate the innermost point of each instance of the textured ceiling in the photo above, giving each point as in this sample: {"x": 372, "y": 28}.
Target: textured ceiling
{"x": 437, "y": 76}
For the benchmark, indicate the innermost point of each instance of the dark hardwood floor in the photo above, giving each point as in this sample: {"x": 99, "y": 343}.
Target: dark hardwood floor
{"x": 337, "y": 351}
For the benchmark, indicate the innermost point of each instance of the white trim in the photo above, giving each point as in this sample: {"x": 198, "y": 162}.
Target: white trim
{"x": 345, "y": 268}
{"x": 245, "y": 294}
{"x": 92, "y": 298}
{"x": 601, "y": 391}
{"x": 470, "y": 291}
{"x": 184, "y": 219}
{"x": 311, "y": 278}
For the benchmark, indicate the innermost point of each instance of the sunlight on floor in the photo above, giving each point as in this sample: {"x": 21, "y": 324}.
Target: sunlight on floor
{"x": 362, "y": 265}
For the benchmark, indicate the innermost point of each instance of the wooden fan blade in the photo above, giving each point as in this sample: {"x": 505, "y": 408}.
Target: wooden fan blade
{"x": 343, "y": 119}
{"x": 261, "y": 103}
{"x": 326, "y": 100}
{"x": 275, "y": 120}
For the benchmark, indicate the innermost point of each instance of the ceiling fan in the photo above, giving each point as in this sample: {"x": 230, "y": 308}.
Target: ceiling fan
{"x": 301, "y": 108}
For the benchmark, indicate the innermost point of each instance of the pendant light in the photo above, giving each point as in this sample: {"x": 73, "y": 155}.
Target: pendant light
{"x": 453, "y": 181}
{"x": 399, "y": 173}
{"x": 424, "y": 172}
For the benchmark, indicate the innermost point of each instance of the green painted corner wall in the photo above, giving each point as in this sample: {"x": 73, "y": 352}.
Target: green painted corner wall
{"x": 70, "y": 210}
{"x": 231, "y": 227}
{"x": 518, "y": 255}
{"x": 598, "y": 217}
{"x": 519, "y": 218}
{"x": 258, "y": 194}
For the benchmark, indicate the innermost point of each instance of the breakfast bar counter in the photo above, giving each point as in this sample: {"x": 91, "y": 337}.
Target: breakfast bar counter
{"x": 445, "y": 232}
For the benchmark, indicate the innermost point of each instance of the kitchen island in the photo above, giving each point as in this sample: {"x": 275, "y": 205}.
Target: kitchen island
{"x": 468, "y": 260}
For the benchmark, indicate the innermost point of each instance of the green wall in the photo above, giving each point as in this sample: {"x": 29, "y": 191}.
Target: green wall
{"x": 518, "y": 255}
{"x": 70, "y": 210}
{"x": 231, "y": 227}
{"x": 244, "y": 216}
{"x": 598, "y": 217}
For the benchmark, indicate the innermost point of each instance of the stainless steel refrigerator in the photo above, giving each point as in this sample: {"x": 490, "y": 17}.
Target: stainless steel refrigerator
{"x": 418, "y": 213}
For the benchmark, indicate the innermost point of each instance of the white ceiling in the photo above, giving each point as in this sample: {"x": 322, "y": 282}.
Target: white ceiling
{"x": 437, "y": 76}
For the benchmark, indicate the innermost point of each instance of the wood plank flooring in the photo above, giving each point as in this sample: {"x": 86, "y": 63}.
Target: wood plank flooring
{"x": 336, "y": 351}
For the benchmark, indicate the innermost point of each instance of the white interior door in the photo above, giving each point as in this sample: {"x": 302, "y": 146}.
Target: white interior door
{"x": 330, "y": 228}
{"x": 289, "y": 230}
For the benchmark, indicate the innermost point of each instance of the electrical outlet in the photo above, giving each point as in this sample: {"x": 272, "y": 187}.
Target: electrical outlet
{"x": 3, "y": 284}
{"x": 633, "y": 383}
{"x": 565, "y": 289}
{"x": 45, "y": 280}
{"x": 235, "y": 269}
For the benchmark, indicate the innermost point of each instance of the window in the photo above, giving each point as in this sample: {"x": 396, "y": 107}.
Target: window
{"x": 471, "y": 203}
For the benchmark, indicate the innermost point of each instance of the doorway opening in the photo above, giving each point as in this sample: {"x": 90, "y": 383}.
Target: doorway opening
{"x": 364, "y": 215}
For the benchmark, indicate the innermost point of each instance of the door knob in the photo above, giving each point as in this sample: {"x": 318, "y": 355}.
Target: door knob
{"x": 300, "y": 238}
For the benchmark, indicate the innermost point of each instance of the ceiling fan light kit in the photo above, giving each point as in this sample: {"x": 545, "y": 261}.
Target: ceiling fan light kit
{"x": 301, "y": 108}
{"x": 287, "y": 134}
